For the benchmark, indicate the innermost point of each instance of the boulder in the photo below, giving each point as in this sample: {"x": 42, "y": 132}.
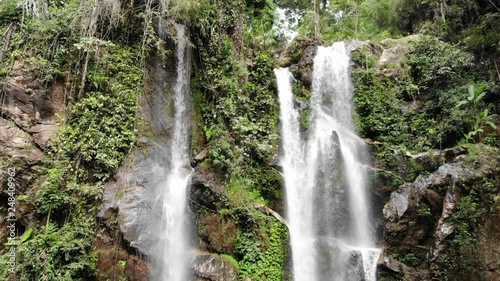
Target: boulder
{"x": 393, "y": 58}
{"x": 212, "y": 267}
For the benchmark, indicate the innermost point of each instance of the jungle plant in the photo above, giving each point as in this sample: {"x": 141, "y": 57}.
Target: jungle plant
{"x": 484, "y": 119}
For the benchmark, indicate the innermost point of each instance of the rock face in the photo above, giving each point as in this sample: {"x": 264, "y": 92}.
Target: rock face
{"x": 129, "y": 202}
{"x": 419, "y": 216}
{"x": 393, "y": 57}
{"x": 27, "y": 121}
{"x": 29, "y": 105}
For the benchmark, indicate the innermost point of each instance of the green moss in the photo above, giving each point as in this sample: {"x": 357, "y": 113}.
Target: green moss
{"x": 232, "y": 260}
{"x": 304, "y": 118}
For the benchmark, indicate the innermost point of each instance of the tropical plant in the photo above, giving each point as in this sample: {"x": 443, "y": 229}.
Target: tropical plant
{"x": 484, "y": 119}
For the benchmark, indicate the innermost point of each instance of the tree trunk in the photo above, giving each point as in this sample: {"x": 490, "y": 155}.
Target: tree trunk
{"x": 317, "y": 30}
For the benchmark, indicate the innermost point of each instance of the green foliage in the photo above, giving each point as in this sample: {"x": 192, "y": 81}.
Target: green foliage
{"x": 478, "y": 202}
{"x": 483, "y": 119}
{"x": 465, "y": 219}
{"x": 100, "y": 128}
{"x": 240, "y": 112}
{"x": 457, "y": 261}
{"x": 85, "y": 152}
{"x": 434, "y": 64}
{"x": 260, "y": 259}
{"x": 52, "y": 197}
{"x": 259, "y": 34}
{"x": 26, "y": 235}
{"x": 55, "y": 253}
{"x": 410, "y": 259}
{"x": 10, "y": 11}
{"x": 418, "y": 110}
{"x": 96, "y": 133}
{"x": 45, "y": 43}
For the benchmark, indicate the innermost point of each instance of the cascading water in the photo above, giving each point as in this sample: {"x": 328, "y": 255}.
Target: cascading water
{"x": 173, "y": 245}
{"x": 325, "y": 171}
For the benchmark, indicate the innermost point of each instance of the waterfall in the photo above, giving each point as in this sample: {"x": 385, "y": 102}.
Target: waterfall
{"x": 173, "y": 245}
{"x": 325, "y": 172}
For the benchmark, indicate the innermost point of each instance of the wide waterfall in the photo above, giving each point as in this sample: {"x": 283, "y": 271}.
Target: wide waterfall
{"x": 173, "y": 246}
{"x": 325, "y": 172}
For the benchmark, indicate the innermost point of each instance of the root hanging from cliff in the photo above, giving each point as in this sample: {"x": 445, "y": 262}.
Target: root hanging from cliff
{"x": 90, "y": 12}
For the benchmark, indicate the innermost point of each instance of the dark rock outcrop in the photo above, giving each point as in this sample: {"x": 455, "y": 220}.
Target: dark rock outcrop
{"x": 29, "y": 105}
{"x": 418, "y": 218}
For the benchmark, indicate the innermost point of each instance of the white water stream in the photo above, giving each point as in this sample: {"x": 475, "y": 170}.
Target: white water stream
{"x": 325, "y": 174}
{"x": 174, "y": 238}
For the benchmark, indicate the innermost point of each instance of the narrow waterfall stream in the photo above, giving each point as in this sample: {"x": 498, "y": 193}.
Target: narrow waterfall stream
{"x": 325, "y": 171}
{"x": 174, "y": 242}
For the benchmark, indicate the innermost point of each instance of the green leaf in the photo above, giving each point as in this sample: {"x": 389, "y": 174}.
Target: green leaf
{"x": 471, "y": 92}
{"x": 479, "y": 97}
{"x": 461, "y": 103}
{"x": 26, "y": 235}
{"x": 491, "y": 124}
{"x": 480, "y": 89}
{"x": 483, "y": 114}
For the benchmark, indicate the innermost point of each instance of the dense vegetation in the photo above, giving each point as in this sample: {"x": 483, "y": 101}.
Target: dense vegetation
{"x": 444, "y": 93}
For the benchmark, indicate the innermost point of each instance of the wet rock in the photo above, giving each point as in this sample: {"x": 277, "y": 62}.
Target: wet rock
{"x": 131, "y": 197}
{"x": 444, "y": 227}
{"x": 18, "y": 152}
{"x": 387, "y": 266}
{"x": 199, "y": 157}
{"x": 337, "y": 261}
{"x": 433, "y": 159}
{"x": 20, "y": 157}
{"x": 131, "y": 203}
{"x": 216, "y": 232}
{"x": 30, "y": 106}
{"x": 204, "y": 193}
{"x": 26, "y": 102}
{"x": 397, "y": 205}
{"x": 305, "y": 65}
{"x": 213, "y": 267}
{"x": 115, "y": 262}
{"x": 295, "y": 51}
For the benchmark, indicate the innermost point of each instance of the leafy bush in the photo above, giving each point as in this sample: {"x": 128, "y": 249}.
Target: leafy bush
{"x": 56, "y": 253}
{"x": 260, "y": 259}
{"x": 10, "y": 11}
{"x": 418, "y": 110}
{"x": 100, "y": 127}
{"x": 435, "y": 64}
